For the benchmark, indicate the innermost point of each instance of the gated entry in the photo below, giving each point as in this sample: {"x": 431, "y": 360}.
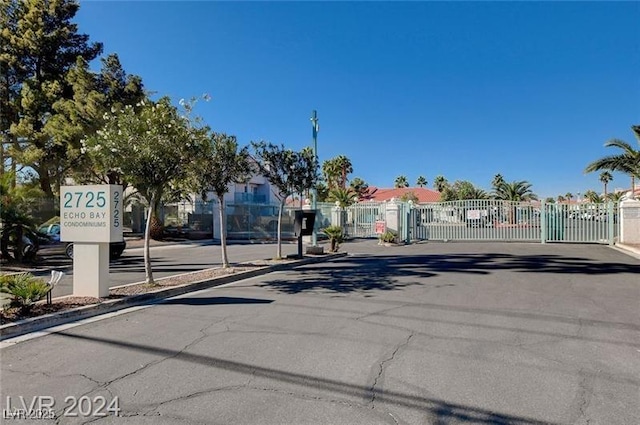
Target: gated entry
{"x": 495, "y": 220}
{"x": 492, "y": 220}
{"x": 360, "y": 219}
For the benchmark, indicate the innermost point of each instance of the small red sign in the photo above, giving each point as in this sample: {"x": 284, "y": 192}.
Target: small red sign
{"x": 381, "y": 227}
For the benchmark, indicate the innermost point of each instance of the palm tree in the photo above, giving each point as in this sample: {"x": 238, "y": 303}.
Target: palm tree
{"x": 514, "y": 191}
{"x": 335, "y": 171}
{"x": 627, "y": 162}
{"x": 568, "y": 196}
{"x": 17, "y": 202}
{"x": 343, "y": 197}
{"x": 421, "y": 182}
{"x": 592, "y": 196}
{"x": 477, "y": 193}
{"x": 497, "y": 180}
{"x": 561, "y": 198}
{"x": 330, "y": 173}
{"x": 401, "y": 181}
{"x": 605, "y": 178}
{"x": 439, "y": 183}
{"x": 345, "y": 167}
{"x": 615, "y": 196}
{"x": 360, "y": 187}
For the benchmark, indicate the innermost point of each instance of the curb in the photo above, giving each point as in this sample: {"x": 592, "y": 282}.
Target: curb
{"x": 33, "y": 324}
{"x": 626, "y": 249}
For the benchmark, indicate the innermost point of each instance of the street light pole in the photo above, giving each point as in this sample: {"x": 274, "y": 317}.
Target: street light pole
{"x": 314, "y": 192}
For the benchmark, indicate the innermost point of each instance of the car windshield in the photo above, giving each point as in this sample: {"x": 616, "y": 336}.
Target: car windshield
{"x": 50, "y": 229}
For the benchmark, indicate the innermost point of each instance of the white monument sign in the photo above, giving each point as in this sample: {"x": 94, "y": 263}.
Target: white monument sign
{"x": 91, "y": 213}
{"x": 91, "y": 218}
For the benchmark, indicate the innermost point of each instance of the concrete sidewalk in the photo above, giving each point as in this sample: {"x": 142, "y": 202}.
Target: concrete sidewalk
{"x": 631, "y": 249}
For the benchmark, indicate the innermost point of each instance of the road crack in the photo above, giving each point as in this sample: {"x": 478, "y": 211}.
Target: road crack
{"x": 382, "y": 369}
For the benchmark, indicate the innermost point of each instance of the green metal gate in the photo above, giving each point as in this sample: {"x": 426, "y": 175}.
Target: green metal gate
{"x": 584, "y": 222}
{"x": 360, "y": 219}
{"x": 477, "y": 220}
{"x": 490, "y": 220}
{"x": 494, "y": 220}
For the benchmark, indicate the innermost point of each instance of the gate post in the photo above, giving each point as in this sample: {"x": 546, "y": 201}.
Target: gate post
{"x": 392, "y": 216}
{"x": 406, "y": 221}
{"x": 611, "y": 222}
{"x": 337, "y": 217}
{"x": 630, "y": 221}
{"x": 543, "y": 222}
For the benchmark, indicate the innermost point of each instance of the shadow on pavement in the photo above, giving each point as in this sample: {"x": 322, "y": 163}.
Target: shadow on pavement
{"x": 439, "y": 411}
{"x": 381, "y": 272}
{"x": 160, "y": 265}
{"x": 216, "y": 300}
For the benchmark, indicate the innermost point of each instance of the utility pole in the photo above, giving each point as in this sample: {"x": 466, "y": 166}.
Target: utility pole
{"x": 314, "y": 192}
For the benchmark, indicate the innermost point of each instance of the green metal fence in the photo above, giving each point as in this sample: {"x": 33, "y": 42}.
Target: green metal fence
{"x": 359, "y": 220}
{"x": 494, "y": 220}
{"x": 491, "y": 220}
{"x": 260, "y": 221}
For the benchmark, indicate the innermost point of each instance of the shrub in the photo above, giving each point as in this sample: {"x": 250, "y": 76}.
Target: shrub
{"x": 24, "y": 288}
{"x": 336, "y": 236}
{"x": 388, "y": 237}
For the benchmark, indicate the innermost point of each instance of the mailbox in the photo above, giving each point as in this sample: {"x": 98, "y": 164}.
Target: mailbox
{"x": 304, "y": 221}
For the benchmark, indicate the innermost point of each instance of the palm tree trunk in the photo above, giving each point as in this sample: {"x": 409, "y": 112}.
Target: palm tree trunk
{"x": 147, "y": 254}
{"x": 223, "y": 233}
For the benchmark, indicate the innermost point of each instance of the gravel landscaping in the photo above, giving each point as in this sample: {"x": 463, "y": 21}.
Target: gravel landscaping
{"x": 13, "y": 314}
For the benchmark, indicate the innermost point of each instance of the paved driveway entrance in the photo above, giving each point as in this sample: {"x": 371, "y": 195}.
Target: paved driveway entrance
{"x": 424, "y": 334}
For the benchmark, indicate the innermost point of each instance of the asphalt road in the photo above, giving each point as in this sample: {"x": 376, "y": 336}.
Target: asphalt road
{"x": 424, "y": 334}
{"x": 166, "y": 260}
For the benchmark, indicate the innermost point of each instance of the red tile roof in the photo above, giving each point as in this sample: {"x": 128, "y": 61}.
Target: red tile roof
{"x": 382, "y": 194}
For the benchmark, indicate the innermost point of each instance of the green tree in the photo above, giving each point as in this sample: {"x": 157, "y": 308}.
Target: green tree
{"x": 515, "y": 191}
{"x": 497, "y": 181}
{"x": 152, "y": 146}
{"x": 401, "y": 181}
{"x": 421, "y": 181}
{"x": 409, "y": 196}
{"x": 627, "y": 162}
{"x": 343, "y": 197}
{"x": 568, "y": 196}
{"x": 615, "y": 196}
{"x": 17, "y": 203}
{"x": 461, "y": 190}
{"x": 360, "y": 187}
{"x": 605, "y": 178}
{"x": 288, "y": 171}
{"x": 307, "y": 175}
{"x": 592, "y": 196}
{"x": 94, "y": 94}
{"x": 12, "y": 73}
{"x": 550, "y": 200}
{"x": 323, "y": 191}
{"x": 336, "y": 170}
{"x": 561, "y": 198}
{"x": 42, "y": 45}
{"x": 439, "y": 183}
{"x": 221, "y": 164}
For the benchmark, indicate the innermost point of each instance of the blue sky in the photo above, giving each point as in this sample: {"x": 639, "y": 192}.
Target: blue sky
{"x": 464, "y": 89}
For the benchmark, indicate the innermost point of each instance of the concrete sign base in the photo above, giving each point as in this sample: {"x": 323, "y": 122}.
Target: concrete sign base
{"x": 91, "y": 269}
